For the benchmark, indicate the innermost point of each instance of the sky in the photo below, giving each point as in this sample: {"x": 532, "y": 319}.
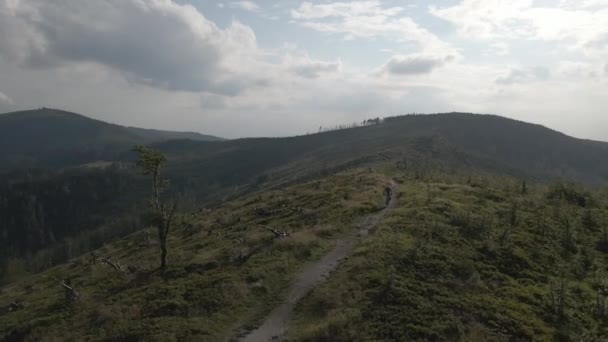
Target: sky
{"x": 279, "y": 68}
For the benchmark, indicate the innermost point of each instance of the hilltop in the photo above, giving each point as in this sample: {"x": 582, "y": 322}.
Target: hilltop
{"x": 452, "y": 142}
{"x": 50, "y": 137}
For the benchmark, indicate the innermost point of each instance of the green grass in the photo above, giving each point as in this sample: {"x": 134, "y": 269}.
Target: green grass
{"x": 458, "y": 259}
{"x": 467, "y": 263}
{"x": 226, "y": 270}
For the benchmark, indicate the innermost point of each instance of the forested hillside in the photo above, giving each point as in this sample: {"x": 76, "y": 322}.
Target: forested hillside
{"x": 55, "y": 138}
{"x": 48, "y": 217}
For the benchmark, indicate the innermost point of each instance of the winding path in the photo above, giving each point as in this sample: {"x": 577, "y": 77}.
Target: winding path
{"x": 275, "y": 325}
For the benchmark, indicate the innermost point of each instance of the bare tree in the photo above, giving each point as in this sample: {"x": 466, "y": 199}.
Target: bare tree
{"x": 150, "y": 163}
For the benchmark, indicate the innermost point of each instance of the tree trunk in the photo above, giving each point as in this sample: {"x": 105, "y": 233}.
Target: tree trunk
{"x": 163, "y": 253}
{"x": 163, "y": 233}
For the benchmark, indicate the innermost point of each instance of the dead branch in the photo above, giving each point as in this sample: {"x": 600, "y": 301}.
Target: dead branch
{"x": 107, "y": 261}
{"x": 278, "y": 233}
{"x": 71, "y": 294}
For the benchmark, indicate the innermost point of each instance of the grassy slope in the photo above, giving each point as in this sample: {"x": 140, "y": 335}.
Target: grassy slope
{"x": 458, "y": 260}
{"x": 472, "y": 263}
{"x": 207, "y": 289}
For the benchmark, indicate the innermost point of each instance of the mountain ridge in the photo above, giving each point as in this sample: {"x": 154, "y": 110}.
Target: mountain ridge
{"x": 535, "y": 150}
{"x": 51, "y": 137}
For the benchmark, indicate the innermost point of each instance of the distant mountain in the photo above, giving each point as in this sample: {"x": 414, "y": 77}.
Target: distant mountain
{"x": 420, "y": 143}
{"x": 157, "y": 135}
{"x": 50, "y": 137}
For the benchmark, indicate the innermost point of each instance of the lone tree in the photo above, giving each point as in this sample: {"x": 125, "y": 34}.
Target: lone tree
{"x": 150, "y": 163}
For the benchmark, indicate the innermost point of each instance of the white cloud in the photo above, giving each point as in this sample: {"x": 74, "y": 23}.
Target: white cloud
{"x": 245, "y": 5}
{"x": 584, "y": 22}
{"x": 5, "y": 101}
{"x": 369, "y": 20}
{"x": 308, "y": 10}
{"x": 477, "y": 19}
{"x": 584, "y": 4}
{"x": 498, "y": 49}
{"x": 524, "y": 75}
{"x": 154, "y": 42}
{"x": 576, "y": 70}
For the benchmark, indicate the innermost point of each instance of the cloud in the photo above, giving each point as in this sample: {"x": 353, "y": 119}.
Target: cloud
{"x": 309, "y": 10}
{"x": 525, "y": 75}
{"x": 211, "y": 101}
{"x": 413, "y": 64}
{"x": 5, "y": 101}
{"x": 367, "y": 20}
{"x": 313, "y": 69}
{"x": 584, "y": 22}
{"x": 158, "y": 43}
{"x": 576, "y": 70}
{"x": 486, "y": 19}
{"x": 498, "y": 49}
{"x": 245, "y": 6}
{"x": 138, "y": 62}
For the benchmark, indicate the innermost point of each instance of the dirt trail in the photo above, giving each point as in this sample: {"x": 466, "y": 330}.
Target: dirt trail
{"x": 275, "y": 326}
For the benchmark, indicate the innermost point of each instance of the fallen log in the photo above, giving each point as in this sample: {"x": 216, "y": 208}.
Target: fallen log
{"x": 71, "y": 294}
{"x": 278, "y": 233}
{"x": 107, "y": 261}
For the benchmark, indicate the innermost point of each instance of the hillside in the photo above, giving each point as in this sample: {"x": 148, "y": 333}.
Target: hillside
{"x": 468, "y": 250}
{"x": 42, "y": 226}
{"x": 52, "y": 215}
{"x": 49, "y": 137}
{"x": 455, "y": 142}
{"x": 479, "y": 259}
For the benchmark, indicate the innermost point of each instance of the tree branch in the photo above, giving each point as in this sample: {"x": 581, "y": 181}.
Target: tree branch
{"x": 107, "y": 261}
